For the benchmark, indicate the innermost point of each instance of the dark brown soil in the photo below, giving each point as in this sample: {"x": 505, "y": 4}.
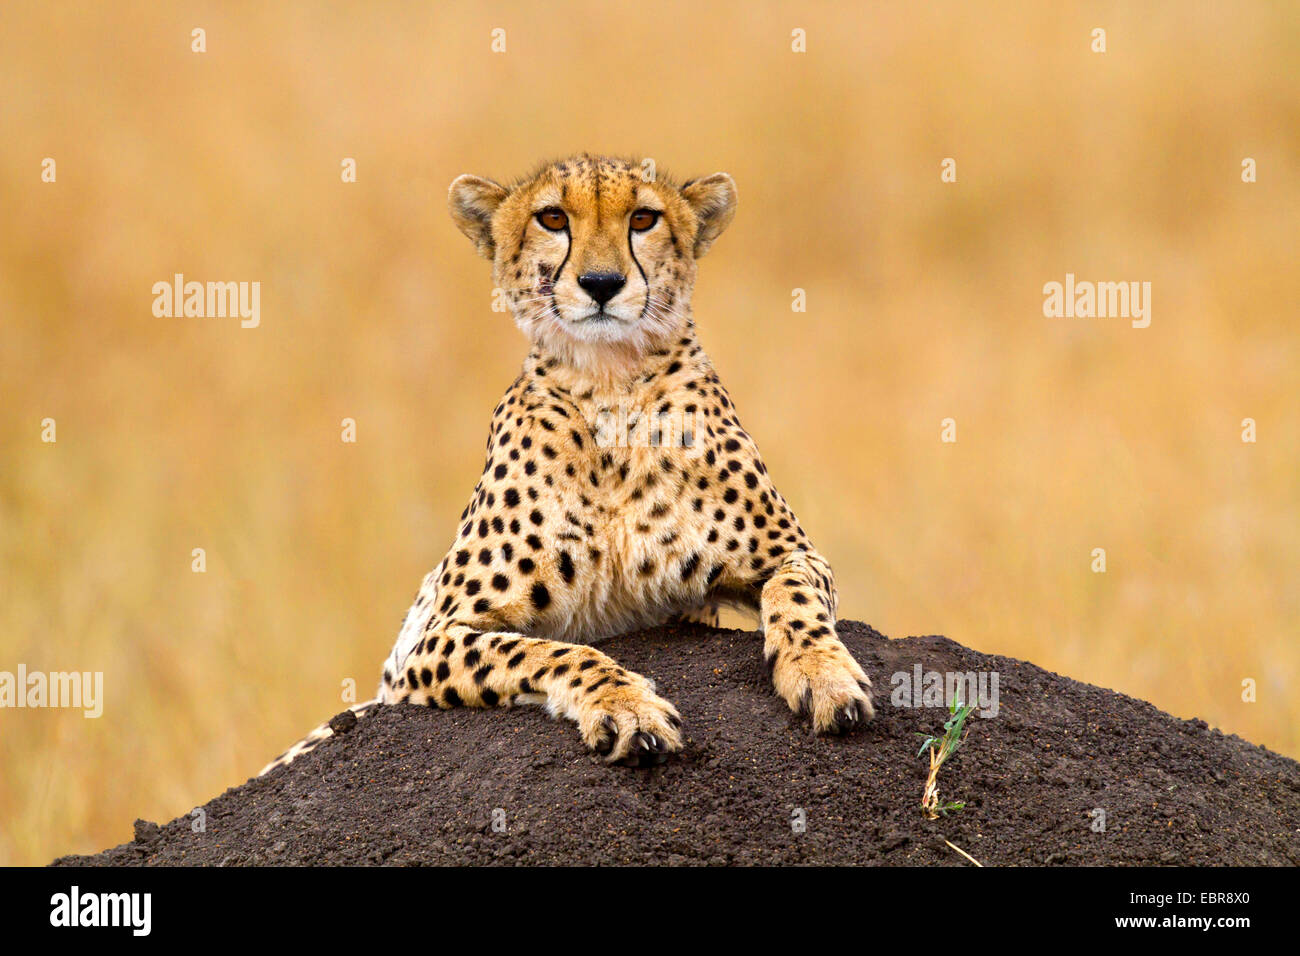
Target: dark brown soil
{"x": 416, "y": 786}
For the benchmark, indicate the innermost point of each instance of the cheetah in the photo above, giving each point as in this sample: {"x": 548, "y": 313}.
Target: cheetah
{"x": 594, "y": 516}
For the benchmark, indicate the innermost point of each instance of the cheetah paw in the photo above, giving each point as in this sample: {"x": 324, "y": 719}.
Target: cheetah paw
{"x": 827, "y": 684}
{"x": 631, "y": 725}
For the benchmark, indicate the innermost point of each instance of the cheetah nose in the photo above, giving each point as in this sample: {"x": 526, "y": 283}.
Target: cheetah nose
{"x": 602, "y": 286}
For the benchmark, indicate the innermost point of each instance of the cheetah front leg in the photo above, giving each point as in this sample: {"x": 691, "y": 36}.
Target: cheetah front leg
{"x": 811, "y": 669}
{"x": 617, "y": 711}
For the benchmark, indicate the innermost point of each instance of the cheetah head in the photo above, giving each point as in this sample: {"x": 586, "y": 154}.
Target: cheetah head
{"x": 595, "y": 259}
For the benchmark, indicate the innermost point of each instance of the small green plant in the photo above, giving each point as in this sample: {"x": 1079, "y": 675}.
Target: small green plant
{"x": 941, "y": 748}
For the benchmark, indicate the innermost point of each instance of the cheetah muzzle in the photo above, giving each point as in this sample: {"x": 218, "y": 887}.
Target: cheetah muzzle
{"x": 620, "y": 490}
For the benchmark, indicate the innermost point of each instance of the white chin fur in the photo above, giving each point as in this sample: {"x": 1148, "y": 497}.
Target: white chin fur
{"x": 591, "y": 342}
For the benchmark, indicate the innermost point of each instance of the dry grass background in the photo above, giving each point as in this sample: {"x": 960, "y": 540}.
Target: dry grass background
{"x": 924, "y": 302}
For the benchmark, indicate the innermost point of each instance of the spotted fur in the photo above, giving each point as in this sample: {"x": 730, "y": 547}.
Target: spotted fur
{"x": 594, "y": 515}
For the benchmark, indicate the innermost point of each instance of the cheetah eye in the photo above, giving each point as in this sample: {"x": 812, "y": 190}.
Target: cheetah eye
{"x": 553, "y": 219}
{"x": 643, "y": 219}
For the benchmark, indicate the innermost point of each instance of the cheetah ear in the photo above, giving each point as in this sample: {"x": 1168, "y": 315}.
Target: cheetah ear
{"x": 714, "y": 200}
{"x": 473, "y": 201}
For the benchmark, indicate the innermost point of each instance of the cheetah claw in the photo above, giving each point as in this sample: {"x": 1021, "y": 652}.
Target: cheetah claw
{"x": 632, "y": 726}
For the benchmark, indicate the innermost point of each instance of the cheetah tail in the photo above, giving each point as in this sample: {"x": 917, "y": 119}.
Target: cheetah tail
{"x": 320, "y": 733}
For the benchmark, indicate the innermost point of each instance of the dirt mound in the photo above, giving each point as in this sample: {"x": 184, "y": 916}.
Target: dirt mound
{"x": 416, "y": 786}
